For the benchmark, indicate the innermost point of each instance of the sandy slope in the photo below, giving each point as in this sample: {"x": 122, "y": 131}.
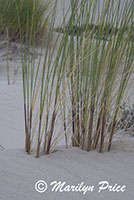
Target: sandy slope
{"x": 19, "y": 173}
{"x": 11, "y": 116}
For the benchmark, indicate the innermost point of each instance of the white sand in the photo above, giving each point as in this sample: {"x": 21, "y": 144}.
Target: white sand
{"x": 11, "y": 116}
{"x": 19, "y": 173}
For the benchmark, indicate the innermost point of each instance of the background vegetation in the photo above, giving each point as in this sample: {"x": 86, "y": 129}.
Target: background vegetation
{"x": 18, "y": 18}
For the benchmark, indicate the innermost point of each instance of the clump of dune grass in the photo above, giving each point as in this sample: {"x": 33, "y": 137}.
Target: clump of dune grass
{"x": 44, "y": 85}
{"x": 97, "y": 87}
{"x": 84, "y": 73}
{"x": 92, "y": 57}
{"x": 24, "y": 11}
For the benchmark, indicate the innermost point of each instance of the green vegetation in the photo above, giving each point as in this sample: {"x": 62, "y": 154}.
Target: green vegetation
{"x": 88, "y": 65}
{"x": 18, "y": 17}
{"x": 100, "y": 80}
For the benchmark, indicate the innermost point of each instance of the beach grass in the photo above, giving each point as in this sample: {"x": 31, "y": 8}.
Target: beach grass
{"x": 83, "y": 74}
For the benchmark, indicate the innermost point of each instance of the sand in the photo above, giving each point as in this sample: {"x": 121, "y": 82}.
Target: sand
{"x": 19, "y": 173}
